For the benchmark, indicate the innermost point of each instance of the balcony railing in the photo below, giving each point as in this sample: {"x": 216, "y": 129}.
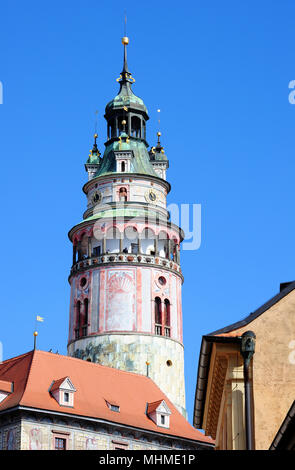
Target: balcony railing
{"x": 158, "y": 330}
{"x": 167, "y": 331}
{"x": 125, "y": 258}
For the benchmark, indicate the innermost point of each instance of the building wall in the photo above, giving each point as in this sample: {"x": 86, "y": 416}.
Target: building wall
{"x": 10, "y": 435}
{"x": 38, "y": 433}
{"x": 273, "y": 368}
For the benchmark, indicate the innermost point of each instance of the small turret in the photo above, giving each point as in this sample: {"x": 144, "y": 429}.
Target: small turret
{"x": 93, "y": 161}
{"x": 159, "y": 159}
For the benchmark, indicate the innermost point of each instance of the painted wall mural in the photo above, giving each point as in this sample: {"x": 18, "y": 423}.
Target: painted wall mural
{"x": 35, "y": 439}
{"x": 120, "y": 314}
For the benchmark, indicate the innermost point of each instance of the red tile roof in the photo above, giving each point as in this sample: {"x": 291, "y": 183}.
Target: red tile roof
{"x": 33, "y": 373}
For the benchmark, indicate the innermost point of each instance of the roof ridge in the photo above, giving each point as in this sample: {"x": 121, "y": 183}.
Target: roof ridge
{"x": 256, "y": 313}
{"x": 16, "y": 357}
{"x": 27, "y": 375}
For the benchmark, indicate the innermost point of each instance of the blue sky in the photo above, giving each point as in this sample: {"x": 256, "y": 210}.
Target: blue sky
{"x": 219, "y": 72}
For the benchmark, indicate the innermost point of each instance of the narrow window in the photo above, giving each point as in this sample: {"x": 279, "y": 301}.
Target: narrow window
{"x": 158, "y": 316}
{"x": 84, "y": 328}
{"x": 66, "y": 397}
{"x": 78, "y": 319}
{"x": 97, "y": 251}
{"x": 167, "y": 318}
{"x": 167, "y": 312}
{"x": 163, "y": 419}
{"x": 123, "y": 167}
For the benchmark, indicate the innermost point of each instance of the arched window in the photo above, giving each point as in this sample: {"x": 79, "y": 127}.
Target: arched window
{"x": 85, "y": 323}
{"x": 123, "y": 194}
{"x": 120, "y": 125}
{"x": 85, "y": 311}
{"x": 112, "y": 240}
{"x": 78, "y": 319}
{"x": 164, "y": 244}
{"x": 84, "y": 247}
{"x": 167, "y": 318}
{"x": 135, "y": 127}
{"x": 112, "y": 128}
{"x": 158, "y": 316}
{"x": 123, "y": 167}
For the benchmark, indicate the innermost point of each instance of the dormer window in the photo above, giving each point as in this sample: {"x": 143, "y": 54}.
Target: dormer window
{"x": 63, "y": 391}
{"x": 113, "y": 406}
{"x": 159, "y": 413}
{"x": 123, "y": 161}
{"x": 6, "y": 388}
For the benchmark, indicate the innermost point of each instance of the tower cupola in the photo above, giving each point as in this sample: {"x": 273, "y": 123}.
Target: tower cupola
{"x": 126, "y": 106}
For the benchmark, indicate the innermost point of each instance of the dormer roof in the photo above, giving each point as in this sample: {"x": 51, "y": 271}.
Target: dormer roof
{"x": 63, "y": 384}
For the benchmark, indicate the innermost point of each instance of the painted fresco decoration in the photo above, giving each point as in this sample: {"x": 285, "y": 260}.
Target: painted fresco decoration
{"x": 120, "y": 300}
{"x": 11, "y": 439}
{"x": 35, "y": 439}
{"x": 91, "y": 443}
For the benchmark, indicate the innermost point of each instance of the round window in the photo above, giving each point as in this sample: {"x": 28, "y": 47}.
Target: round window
{"x": 83, "y": 282}
{"x": 162, "y": 280}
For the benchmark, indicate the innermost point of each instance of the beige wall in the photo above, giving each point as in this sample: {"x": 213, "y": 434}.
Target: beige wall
{"x": 273, "y": 368}
{"x": 273, "y": 373}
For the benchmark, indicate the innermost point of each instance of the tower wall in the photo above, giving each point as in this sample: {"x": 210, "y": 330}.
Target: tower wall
{"x": 121, "y": 329}
{"x": 131, "y": 351}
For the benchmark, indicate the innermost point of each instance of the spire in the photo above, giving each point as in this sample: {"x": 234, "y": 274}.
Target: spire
{"x": 94, "y": 148}
{"x": 125, "y": 77}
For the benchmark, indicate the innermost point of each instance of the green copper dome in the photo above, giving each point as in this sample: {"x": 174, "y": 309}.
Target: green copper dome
{"x": 127, "y": 98}
{"x": 140, "y": 160}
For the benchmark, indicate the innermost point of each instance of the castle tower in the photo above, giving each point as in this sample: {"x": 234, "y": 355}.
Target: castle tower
{"x": 125, "y": 306}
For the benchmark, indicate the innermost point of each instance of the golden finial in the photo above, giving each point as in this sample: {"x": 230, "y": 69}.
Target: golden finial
{"x": 147, "y": 363}
{"x": 124, "y": 122}
{"x": 159, "y": 134}
{"x": 35, "y": 337}
{"x": 95, "y": 135}
{"x": 125, "y": 40}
